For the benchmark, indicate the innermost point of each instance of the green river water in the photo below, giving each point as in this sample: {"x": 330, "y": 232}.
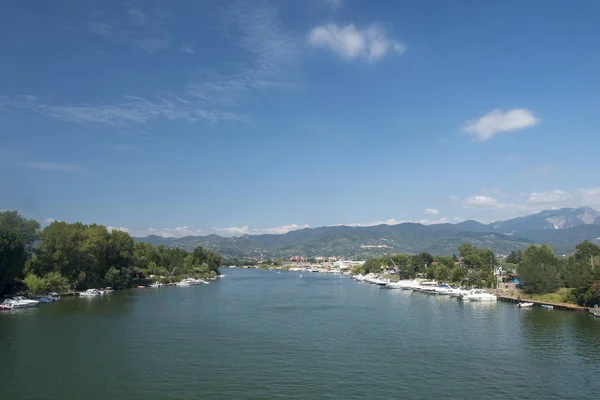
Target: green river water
{"x": 267, "y": 335}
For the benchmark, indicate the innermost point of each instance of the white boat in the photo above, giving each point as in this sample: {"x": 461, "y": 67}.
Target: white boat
{"x": 410, "y": 285}
{"x": 191, "y": 282}
{"x": 107, "y": 290}
{"x": 49, "y": 298}
{"x": 525, "y": 304}
{"x": 425, "y": 287}
{"x": 20, "y": 302}
{"x": 157, "y": 285}
{"x": 480, "y": 295}
{"x": 444, "y": 289}
{"x": 396, "y": 285}
{"x": 90, "y": 292}
{"x": 461, "y": 291}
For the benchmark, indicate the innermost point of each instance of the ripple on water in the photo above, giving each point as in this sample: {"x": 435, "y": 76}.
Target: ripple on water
{"x": 257, "y": 335}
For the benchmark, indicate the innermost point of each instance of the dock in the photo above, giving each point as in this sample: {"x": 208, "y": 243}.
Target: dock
{"x": 559, "y": 306}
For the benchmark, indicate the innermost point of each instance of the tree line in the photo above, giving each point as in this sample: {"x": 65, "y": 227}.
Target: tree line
{"x": 64, "y": 257}
{"x": 540, "y": 271}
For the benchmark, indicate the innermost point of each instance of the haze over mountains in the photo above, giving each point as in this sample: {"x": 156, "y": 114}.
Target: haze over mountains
{"x": 562, "y": 229}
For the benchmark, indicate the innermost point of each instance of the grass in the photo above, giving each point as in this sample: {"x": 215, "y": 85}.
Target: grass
{"x": 562, "y": 295}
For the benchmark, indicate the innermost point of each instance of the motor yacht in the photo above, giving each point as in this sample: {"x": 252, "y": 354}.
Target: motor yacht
{"x": 20, "y": 302}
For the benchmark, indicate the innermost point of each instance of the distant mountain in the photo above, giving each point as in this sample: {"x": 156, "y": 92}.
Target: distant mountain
{"x": 564, "y": 218}
{"x": 562, "y": 229}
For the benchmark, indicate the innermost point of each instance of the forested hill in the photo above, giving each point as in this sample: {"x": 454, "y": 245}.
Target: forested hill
{"x": 576, "y": 225}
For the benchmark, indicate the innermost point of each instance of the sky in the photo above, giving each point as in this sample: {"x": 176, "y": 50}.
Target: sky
{"x": 247, "y": 117}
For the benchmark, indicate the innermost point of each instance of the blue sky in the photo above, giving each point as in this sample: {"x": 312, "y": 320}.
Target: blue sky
{"x": 232, "y": 117}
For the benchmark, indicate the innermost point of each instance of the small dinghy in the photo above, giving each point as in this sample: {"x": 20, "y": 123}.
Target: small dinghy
{"x": 525, "y": 305}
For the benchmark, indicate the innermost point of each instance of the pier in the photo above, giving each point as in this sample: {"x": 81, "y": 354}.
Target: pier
{"x": 559, "y": 306}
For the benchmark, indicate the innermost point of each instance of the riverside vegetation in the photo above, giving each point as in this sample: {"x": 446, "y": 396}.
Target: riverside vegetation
{"x": 543, "y": 276}
{"x": 63, "y": 257}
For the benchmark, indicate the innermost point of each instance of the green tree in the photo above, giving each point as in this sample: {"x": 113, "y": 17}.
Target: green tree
{"x": 539, "y": 270}
{"x": 55, "y": 282}
{"x": 372, "y": 265}
{"x": 35, "y": 284}
{"x": 17, "y": 236}
{"x": 515, "y": 257}
{"x": 442, "y": 273}
{"x": 113, "y": 278}
{"x": 457, "y": 275}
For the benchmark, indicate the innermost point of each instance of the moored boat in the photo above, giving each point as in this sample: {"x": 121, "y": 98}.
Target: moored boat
{"x": 525, "y": 304}
{"x": 90, "y": 292}
{"x": 20, "y": 302}
{"x": 480, "y": 295}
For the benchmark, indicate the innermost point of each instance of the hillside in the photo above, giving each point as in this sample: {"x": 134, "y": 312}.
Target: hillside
{"x": 570, "y": 227}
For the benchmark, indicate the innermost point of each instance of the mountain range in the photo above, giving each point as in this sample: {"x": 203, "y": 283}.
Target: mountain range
{"x": 562, "y": 229}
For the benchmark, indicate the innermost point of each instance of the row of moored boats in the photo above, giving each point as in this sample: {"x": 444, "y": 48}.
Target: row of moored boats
{"x": 431, "y": 287}
{"x": 24, "y": 302}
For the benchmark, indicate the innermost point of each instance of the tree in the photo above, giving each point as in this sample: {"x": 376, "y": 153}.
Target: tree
{"x": 514, "y": 257}
{"x": 113, "y": 278}
{"x": 539, "y": 270}
{"x": 457, "y": 275}
{"x": 35, "y": 284}
{"x": 17, "y": 236}
{"x": 442, "y": 273}
{"x": 372, "y": 265}
{"x": 55, "y": 282}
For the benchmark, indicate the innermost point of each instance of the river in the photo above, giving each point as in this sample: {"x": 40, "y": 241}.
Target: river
{"x": 266, "y": 335}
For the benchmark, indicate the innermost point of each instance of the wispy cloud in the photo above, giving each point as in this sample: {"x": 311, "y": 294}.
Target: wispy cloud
{"x": 135, "y": 27}
{"x": 335, "y": 4}
{"x": 121, "y": 146}
{"x": 127, "y": 111}
{"x": 431, "y": 211}
{"x": 211, "y": 95}
{"x": 187, "y": 48}
{"x": 56, "y": 167}
{"x": 498, "y": 121}
{"x": 542, "y": 169}
{"x": 270, "y": 54}
{"x": 371, "y": 43}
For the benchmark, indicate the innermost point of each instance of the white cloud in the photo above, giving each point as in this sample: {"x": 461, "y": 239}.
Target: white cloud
{"x": 57, "y": 167}
{"x": 178, "y": 232}
{"x": 553, "y": 197}
{"x": 122, "y": 229}
{"x": 498, "y": 121}
{"x": 431, "y": 211}
{"x": 187, "y": 48}
{"x": 371, "y": 43}
{"x": 481, "y": 201}
{"x": 233, "y": 230}
{"x": 521, "y": 204}
{"x": 335, "y": 4}
{"x": 245, "y": 230}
